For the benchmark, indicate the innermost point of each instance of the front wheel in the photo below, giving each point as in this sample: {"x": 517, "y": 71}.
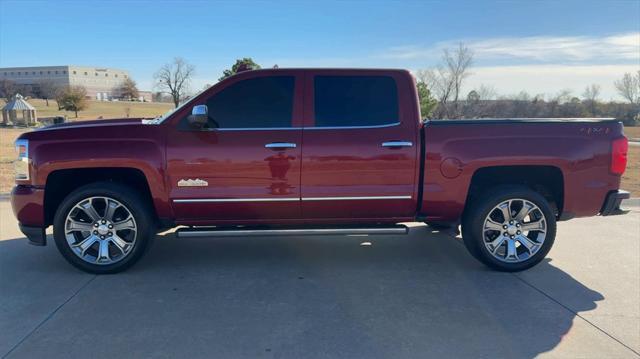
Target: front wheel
{"x": 510, "y": 228}
{"x": 103, "y": 227}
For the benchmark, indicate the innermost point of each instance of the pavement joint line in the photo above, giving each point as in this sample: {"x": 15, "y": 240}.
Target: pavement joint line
{"x": 575, "y": 313}
{"x": 48, "y": 317}
{"x": 562, "y": 305}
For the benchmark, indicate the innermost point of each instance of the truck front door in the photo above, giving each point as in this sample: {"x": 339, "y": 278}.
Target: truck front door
{"x": 244, "y": 165}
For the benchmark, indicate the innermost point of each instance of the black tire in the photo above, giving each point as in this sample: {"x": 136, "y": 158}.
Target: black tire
{"x": 478, "y": 210}
{"x": 137, "y": 206}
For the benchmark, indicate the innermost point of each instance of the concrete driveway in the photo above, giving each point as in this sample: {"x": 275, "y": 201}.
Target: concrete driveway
{"x": 413, "y": 296}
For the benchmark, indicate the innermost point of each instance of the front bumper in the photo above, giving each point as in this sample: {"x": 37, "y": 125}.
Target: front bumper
{"x": 35, "y": 235}
{"x": 28, "y": 206}
{"x": 611, "y": 206}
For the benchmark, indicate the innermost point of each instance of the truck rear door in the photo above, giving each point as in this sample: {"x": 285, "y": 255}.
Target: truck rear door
{"x": 360, "y": 150}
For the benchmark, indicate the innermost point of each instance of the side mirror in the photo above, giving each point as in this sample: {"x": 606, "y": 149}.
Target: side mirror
{"x": 199, "y": 116}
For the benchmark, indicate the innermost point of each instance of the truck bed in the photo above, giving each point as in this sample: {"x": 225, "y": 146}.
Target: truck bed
{"x": 575, "y": 152}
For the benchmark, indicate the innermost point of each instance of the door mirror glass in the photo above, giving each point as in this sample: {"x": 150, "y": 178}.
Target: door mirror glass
{"x": 199, "y": 116}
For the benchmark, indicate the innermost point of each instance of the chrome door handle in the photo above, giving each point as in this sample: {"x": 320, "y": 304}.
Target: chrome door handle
{"x": 397, "y": 144}
{"x": 280, "y": 145}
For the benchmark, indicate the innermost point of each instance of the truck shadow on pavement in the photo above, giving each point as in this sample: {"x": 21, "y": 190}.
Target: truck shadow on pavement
{"x": 419, "y": 295}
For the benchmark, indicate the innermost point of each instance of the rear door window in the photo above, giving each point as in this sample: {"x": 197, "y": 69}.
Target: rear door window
{"x": 355, "y": 101}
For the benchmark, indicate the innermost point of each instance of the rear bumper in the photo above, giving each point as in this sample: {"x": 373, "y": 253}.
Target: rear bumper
{"x": 611, "y": 205}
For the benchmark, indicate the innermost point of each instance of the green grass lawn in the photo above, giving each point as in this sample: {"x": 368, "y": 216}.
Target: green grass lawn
{"x": 101, "y": 108}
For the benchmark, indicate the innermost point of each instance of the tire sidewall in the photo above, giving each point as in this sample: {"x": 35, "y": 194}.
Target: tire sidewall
{"x": 124, "y": 195}
{"x": 473, "y": 226}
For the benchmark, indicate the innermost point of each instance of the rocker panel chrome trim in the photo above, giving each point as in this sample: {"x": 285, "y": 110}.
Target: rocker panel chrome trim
{"x": 186, "y": 233}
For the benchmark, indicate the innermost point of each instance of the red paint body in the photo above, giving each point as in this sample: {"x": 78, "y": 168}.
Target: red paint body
{"x": 326, "y": 162}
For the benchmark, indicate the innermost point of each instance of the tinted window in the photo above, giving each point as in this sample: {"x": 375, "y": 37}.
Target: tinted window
{"x": 355, "y": 100}
{"x": 257, "y": 102}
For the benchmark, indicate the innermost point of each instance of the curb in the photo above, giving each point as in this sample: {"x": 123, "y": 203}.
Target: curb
{"x": 631, "y": 202}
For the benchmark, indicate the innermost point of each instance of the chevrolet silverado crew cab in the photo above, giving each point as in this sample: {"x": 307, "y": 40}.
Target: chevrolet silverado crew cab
{"x": 313, "y": 151}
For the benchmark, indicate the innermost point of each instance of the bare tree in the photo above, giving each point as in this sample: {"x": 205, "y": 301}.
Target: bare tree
{"x": 486, "y": 92}
{"x": 590, "y": 97}
{"x": 561, "y": 98}
{"x": 447, "y": 78}
{"x": 629, "y": 87}
{"x": 458, "y": 64}
{"x": 46, "y": 89}
{"x": 479, "y": 102}
{"x": 7, "y": 89}
{"x": 175, "y": 78}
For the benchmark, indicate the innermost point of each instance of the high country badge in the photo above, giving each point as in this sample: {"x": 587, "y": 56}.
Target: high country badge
{"x": 192, "y": 183}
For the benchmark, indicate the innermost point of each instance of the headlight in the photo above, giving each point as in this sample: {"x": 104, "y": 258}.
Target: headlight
{"x": 21, "y": 165}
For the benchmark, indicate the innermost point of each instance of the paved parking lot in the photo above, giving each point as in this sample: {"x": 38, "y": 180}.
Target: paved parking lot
{"x": 412, "y": 296}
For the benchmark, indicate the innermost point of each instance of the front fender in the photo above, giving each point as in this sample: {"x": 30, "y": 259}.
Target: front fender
{"x": 144, "y": 155}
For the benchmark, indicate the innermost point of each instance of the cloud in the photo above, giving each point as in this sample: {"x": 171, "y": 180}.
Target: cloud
{"x": 549, "y": 79}
{"x": 619, "y": 48}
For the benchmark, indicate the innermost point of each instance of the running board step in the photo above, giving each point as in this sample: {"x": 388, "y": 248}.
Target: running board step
{"x": 246, "y": 232}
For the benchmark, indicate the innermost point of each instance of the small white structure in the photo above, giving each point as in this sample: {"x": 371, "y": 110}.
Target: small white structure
{"x": 18, "y": 105}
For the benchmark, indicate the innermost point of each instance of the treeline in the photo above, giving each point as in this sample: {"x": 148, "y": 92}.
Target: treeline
{"x": 440, "y": 90}
{"x": 525, "y": 106}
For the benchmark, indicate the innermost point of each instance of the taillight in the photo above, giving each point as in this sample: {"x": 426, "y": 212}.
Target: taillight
{"x": 21, "y": 165}
{"x": 619, "y": 149}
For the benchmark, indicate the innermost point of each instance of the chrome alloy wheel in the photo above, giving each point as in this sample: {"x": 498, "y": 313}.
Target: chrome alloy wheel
{"x": 100, "y": 230}
{"x": 514, "y": 230}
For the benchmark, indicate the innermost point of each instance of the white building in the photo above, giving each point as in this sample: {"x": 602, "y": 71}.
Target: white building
{"x": 101, "y": 83}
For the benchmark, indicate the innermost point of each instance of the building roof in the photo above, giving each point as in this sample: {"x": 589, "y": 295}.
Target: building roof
{"x": 18, "y": 104}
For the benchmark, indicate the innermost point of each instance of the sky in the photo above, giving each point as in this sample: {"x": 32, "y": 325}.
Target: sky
{"x": 542, "y": 47}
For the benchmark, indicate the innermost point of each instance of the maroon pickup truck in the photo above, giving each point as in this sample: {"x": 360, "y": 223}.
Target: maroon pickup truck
{"x": 313, "y": 151}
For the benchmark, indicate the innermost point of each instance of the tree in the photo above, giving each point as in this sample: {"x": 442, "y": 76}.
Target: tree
{"x": 128, "y": 89}
{"x": 447, "y": 78}
{"x": 427, "y": 102}
{"x": 473, "y": 97}
{"x": 590, "y": 97}
{"x": 485, "y": 92}
{"x": 25, "y": 90}
{"x": 629, "y": 87}
{"x": 175, "y": 78}
{"x": 46, "y": 89}
{"x": 244, "y": 64}
{"x": 7, "y": 89}
{"x": 72, "y": 98}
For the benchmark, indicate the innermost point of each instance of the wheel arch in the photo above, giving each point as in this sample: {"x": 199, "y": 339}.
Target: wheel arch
{"x": 60, "y": 183}
{"x": 543, "y": 179}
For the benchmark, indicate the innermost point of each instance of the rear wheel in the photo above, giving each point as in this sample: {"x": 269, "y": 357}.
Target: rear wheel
{"x": 103, "y": 227}
{"x": 510, "y": 228}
